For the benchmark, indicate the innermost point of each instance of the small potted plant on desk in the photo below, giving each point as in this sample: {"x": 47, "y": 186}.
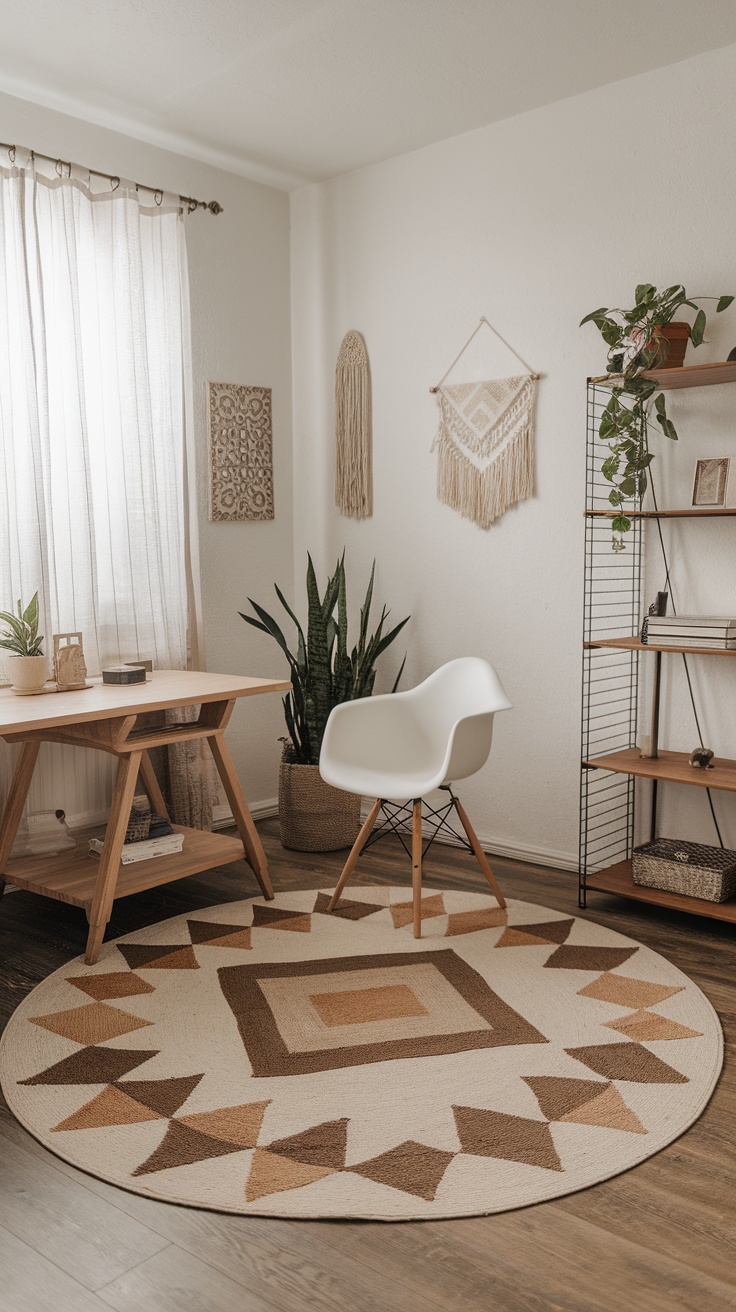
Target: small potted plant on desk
{"x": 26, "y": 666}
{"x": 313, "y": 816}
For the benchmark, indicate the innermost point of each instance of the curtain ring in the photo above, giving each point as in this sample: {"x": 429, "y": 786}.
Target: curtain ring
{"x": 11, "y": 154}
{"x": 115, "y": 183}
{"x": 158, "y": 197}
{"x": 60, "y": 166}
{"x": 191, "y": 204}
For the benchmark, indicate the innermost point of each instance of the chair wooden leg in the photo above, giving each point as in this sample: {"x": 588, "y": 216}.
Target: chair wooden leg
{"x": 480, "y": 855}
{"x": 416, "y": 866}
{"x": 356, "y": 850}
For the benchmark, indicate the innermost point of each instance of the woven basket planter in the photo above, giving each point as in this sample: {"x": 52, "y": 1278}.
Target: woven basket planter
{"x": 314, "y": 817}
{"x": 692, "y": 869}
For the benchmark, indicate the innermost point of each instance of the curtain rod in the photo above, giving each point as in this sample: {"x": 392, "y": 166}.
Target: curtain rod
{"x": 213, "y": 206}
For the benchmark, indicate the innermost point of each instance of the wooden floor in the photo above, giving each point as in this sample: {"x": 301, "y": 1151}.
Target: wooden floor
{"x": 659, "y": 1238}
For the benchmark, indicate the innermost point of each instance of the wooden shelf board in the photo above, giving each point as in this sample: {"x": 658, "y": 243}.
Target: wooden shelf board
{"x": 636, "y": 644}
{"x": 70, "y": 876}
{"x": 692, "y": 512}
{"x": 672, "y": 767}
{"x": 617, "y": 879}
{"x": 690, "y": 375}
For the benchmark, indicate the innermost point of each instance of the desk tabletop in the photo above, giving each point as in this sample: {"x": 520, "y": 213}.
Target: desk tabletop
{"x": 104, "y": 701}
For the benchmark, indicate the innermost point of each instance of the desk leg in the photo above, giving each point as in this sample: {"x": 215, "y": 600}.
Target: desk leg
{"x": 102, "y": 900}
{"x": 254, "y": 853}
{"x": 16, "y": 801}
{"x": 151, "y": 785}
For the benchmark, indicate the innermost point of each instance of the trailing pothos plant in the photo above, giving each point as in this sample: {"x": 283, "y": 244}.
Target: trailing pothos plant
{"x": 636, "y": 344}
{"x": 323, "y": 672}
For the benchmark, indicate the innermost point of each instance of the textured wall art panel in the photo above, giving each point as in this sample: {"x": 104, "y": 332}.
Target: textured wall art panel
{"x": 241, "y": 452}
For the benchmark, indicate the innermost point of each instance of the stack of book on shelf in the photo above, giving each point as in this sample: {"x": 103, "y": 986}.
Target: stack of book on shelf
{"x": 142, "y": 851}
{"x": 714, "y": 632}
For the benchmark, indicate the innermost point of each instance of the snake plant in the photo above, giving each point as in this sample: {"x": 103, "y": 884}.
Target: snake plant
{"x": 323, "y": 672}
{"x": 21, "y": 632}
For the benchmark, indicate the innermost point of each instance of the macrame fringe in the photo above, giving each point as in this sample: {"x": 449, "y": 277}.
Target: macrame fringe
{"x": 484, "y": 494}
{"x": 353, "y": 467}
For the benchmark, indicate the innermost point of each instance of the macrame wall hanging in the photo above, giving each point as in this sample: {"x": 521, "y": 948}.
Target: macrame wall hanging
{"x": 485, "y": 440}
{"x": 353, "y": 466}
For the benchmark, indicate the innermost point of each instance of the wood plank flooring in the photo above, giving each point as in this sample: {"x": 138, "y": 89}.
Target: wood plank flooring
{"x": 661, "y": 1238}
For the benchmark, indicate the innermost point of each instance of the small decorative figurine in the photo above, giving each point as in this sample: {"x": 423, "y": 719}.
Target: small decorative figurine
{"x": 70, "y": 670}
{"x": 701, "y": 758}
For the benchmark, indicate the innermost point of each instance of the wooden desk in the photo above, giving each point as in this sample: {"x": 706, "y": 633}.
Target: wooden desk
{"x": 105, "y": 718}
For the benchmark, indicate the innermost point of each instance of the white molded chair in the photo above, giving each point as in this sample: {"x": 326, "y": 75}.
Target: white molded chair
{"x": 400, "y": 746}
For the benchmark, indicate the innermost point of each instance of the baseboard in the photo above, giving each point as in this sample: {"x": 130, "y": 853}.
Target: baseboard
{"x": 537, "y": 856}
{"x": 222, "y": 816}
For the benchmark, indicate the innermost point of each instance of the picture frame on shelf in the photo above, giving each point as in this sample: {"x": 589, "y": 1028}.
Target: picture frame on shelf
{"x": 711, "y": 484}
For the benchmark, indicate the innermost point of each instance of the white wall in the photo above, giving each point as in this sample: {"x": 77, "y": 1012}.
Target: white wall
{"x": 239, "y": 276}
{"x": 532, "y": 222}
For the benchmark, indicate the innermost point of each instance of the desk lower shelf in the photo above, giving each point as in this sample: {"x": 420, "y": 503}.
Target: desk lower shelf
{"x": 70, "y": 876}
{"x": 618, "y": 879}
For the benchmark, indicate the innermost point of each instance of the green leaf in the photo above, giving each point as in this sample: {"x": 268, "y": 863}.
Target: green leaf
{"x": 645, "y": 293}
{"x": 697, "y": 332}
{"x": 621, "y": 524}
{"x": 660, "y": 404}
{"x": 594, "y": 316}
{"x": 723, "y": 303}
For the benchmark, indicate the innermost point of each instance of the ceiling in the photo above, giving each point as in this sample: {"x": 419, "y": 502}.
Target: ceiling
{"x": 291, "y": 91}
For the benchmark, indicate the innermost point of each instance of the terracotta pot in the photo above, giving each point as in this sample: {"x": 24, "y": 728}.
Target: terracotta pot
{"x": 28, "y": 674}
{"x": 313, "y": 816}
{"x": 674, "y": 338}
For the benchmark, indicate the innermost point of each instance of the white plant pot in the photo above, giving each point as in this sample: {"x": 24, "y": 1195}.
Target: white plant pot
{"x": 28, "y": 674}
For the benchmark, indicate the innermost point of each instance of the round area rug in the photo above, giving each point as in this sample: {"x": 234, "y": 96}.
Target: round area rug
{"x": 269, "y": 1058}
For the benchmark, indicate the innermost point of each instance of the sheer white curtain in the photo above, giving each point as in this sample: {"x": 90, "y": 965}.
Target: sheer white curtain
{"x": 96, "y": 505}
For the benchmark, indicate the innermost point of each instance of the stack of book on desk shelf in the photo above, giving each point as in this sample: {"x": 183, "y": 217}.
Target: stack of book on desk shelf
{"x": 716, "y": 632}
{"x": 143, "y": 851}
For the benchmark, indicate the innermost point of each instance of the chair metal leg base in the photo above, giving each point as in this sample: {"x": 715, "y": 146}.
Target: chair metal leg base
{"x": 396, "y": 815}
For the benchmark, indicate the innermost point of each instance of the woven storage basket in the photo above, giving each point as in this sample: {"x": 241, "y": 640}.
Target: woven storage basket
{"x": 313, "y": 816}
{"x": 692, "y": 869}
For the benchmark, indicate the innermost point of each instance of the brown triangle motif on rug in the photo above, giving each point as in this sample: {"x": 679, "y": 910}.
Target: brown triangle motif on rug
{"x": 161, "y": 956}
{"x": 570, "y": 957}
{"x": 182, "y": 1146}
{"x": 513, "y": 1138}
{"x": 117, "y": 984}
{"x": 93, "y": 1023}
{"x": 280, "y": 918}
{"x": 93, "y": 1066}
{"x": 111, "y": 1107}
{"x": 469, "y": 922}
{"x": 204, "y": 933}
{"x": 346, "y": 909}
{"x": 627, "y": 1061}
{"x": 649, "y": 1026}
{"x": 271, "y": 1174}
{"x": 402, "y": 913}
{"x": 626, "y": 992}
{"x": 609, "y": 1111}
{"x": 412, "y": 1167}
{"x": 322, "y": 1145}
{"x": 164, "y": 1097}
{"x": 583, "y": 1102}
{"x": 235, "y": 1125}
{"x": 523, "y": 936}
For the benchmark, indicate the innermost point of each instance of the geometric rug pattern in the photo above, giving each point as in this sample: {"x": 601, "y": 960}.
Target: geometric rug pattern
{"x": 270, "y": 1058}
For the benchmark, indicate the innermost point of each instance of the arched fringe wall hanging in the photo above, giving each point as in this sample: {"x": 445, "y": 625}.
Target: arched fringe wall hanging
{"x": 354, "y": 465}
{"x": 485, "y": 441}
